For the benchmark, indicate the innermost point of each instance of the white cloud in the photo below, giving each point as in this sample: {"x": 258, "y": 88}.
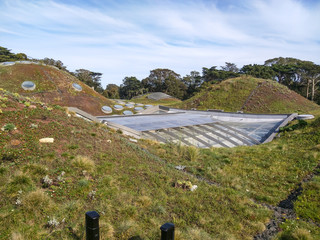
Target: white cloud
{"x": 123, "y": 39}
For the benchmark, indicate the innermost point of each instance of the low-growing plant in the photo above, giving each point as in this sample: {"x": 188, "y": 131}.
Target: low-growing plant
{"x": 192, "y": 153}
{"x": 83, "y": 163}
{"x": 8, "y": 127}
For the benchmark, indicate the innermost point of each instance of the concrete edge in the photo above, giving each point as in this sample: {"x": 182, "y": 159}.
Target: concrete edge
{"x": 284, "y": 123}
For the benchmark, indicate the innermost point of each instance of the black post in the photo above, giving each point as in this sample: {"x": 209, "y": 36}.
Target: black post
{"x": 92, "y": 225}
{"x": 167, "y": 231}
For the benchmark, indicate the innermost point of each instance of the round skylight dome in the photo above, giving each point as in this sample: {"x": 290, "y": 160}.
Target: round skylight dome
{"x": 138, "y": 109}
{"x": 76, "y": 86}
{"x": 118, "y": 107}
{"x": 106, "y": 109}
{"x": 148, "y": 106}
{"x": 127, "y": 112}
{"x": 129, "y": 105}
{"x": 28, "y": 85}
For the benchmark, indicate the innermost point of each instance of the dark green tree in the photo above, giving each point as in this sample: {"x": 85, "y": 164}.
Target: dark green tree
{"x": 214, "y": 75}
{"x": 6, "y": 55}
{"x": 92, "y": 79}
{"x": 111, "y": 91}
{"x": 259, "y": 71}
{"x": 130, "y": 88}
{"x": 230, "y": 67}
{"x": 192, "y": 83}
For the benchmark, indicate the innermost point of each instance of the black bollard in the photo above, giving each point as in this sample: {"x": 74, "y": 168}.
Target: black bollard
{"x": 92, "y": 225}
{"x": 167, "y": 231}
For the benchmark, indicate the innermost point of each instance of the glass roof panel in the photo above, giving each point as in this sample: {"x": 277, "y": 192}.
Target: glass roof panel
{"x": 118, "y": 107}
{"x": 129, "y": 105}
{"x": 138, "y": 109}
{"x": 28, "y": 85}
{"x": 76, "y": 86}
{"x": 127, "y": 112}
{"x": 106, "y": 109}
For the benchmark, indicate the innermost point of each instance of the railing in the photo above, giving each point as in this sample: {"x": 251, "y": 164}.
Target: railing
{"x": 92, "y": 228}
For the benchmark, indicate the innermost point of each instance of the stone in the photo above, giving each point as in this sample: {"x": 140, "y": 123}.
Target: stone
{"x": 46, "y": 140}
{"x": 180, "y": 167}
{"x": 194, "y": 187}
{"x": 15, "y": 142}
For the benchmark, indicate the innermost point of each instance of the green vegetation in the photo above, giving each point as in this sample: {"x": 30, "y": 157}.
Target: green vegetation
{"x": 308, "y": 205}
{"x": 249, "y": 95}
{"x": 165, "y": 102}
{"x": 266, "y": 173}
{"x": 52, "y": 86}
{"x": 132, "y": 190}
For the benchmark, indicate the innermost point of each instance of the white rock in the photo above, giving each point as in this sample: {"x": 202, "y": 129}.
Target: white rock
{"x": 133, "y": 140}
{"x": 46, "y": 140}
{"x": 194, "y": 187}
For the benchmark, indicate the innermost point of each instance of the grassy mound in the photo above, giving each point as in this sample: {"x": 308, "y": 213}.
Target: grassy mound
{"x": 250, "y": 95}
{"x": 52, "y": 86}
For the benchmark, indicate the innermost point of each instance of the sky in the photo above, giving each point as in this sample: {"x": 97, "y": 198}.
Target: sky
{"x": 121, "y": 38}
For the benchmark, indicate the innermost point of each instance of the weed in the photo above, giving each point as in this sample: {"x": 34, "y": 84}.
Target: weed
{"x": 47, "y": 181}
{"x": 8, "y": 127}
{"x": 192, "y": 153}
{"x": 73, "y": 146}
{"x": 37, "y": 202}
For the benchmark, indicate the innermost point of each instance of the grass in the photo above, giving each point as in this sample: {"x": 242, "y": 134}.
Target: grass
{"x": 165, "y": 102}
{"x": 250, "y": 95}
{"x": 134, "y": 190}
{"x": 308, "y": 205}
{"x": 265, "y": 173}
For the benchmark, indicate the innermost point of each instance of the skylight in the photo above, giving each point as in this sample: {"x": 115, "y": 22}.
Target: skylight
{"x": 77, "y": 87}
{"x": 28, "y": 85}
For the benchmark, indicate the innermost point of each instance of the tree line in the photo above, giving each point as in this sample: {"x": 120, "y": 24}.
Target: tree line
{"x": 299, "y": 75}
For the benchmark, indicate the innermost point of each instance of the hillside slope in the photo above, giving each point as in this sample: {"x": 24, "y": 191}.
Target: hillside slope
{"x": 46, "y": 188}
{"x": 250, "y": 95}
{"x": 52, "y": 86}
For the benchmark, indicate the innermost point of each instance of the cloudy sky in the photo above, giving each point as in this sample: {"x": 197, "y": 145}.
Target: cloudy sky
{"x": 129, "y": 38}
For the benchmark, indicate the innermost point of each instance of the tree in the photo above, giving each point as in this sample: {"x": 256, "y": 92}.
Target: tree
{"x": 6, "y": 55}
{"x": 57, "y": 63}
{"x": 259, "y": 71}
{"x": 213, "y": 74}
{"x": 174, "y": 87}
{"x": 230, "y": 67}
{"x": 130, "y": 87}
{"x": 155, "y": 81}
{"x": 92, "y": 79}
{"x": 192, "y": 83}
{"x": 111, "y": 91}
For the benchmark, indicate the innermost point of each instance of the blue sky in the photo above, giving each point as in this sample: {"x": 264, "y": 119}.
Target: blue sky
{"x": 130, "y": 38}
